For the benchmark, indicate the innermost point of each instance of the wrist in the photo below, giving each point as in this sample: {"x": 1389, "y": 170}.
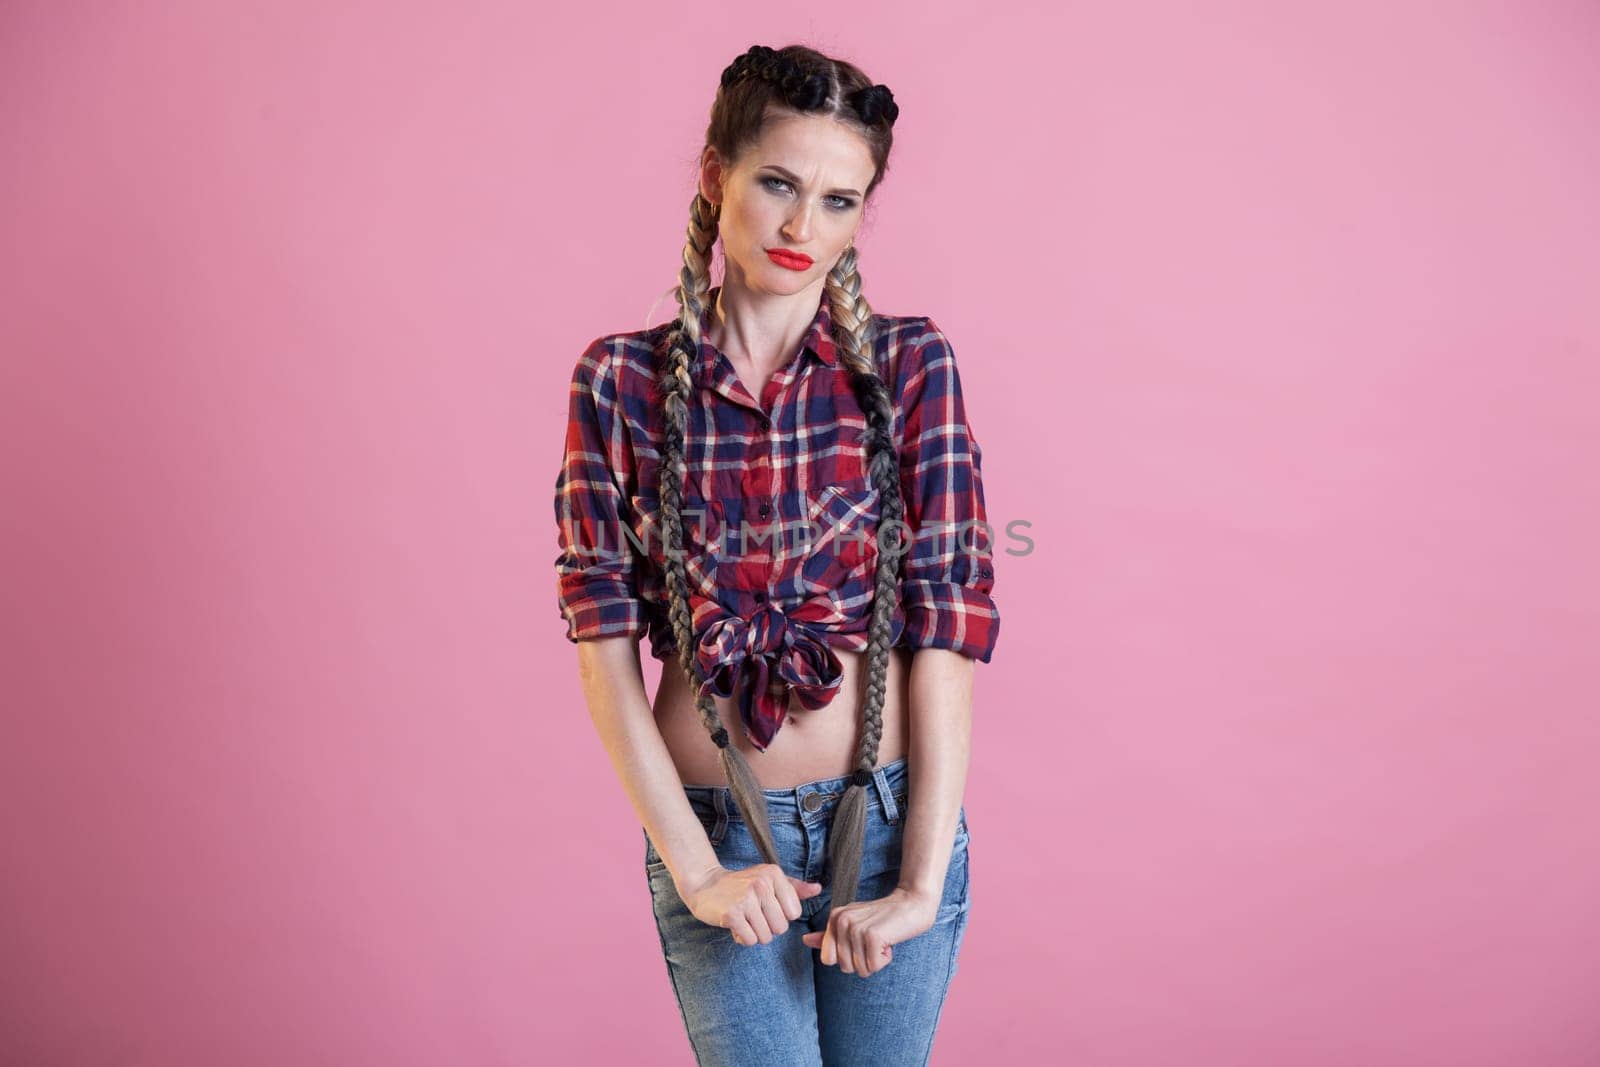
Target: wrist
{"x": 691, "y": 881}
{"x": 920, "y": 894}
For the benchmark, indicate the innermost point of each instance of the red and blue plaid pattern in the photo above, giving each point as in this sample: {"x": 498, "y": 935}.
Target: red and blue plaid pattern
{"x": 781, "y": 531}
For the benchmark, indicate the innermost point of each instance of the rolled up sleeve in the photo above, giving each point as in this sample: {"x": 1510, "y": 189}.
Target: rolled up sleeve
{"x": 948, "y": 577}
{"x": 596, "y": 575}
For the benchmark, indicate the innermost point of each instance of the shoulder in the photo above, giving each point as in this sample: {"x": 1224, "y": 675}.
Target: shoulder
{"x": 620, "y": 363}
{"x": 908, "y": 348}
{"x": 900, "y": 331}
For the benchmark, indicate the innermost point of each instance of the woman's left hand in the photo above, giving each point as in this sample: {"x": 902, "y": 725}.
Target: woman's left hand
{"x": 859, "y": 935}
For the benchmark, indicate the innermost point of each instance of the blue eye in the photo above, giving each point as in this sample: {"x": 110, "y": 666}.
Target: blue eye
{"x": 844, "y": 202}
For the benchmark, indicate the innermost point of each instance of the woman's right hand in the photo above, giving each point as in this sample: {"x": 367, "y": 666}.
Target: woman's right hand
{"x": 755, "y": 904}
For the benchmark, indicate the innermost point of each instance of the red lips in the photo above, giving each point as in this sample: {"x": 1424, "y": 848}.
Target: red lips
{"x": 785, "y": 258}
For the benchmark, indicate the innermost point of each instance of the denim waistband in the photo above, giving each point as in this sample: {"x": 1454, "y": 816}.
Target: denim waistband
{"x": 809, "y": 799}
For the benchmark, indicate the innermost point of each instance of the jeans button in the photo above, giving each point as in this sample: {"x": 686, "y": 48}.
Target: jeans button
{"x": 811, "y": 801}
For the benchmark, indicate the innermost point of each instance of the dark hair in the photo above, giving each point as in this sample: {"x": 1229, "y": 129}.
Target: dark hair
{"x": 761, "y": 84}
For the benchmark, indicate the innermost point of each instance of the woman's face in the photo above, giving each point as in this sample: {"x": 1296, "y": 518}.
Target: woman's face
{"x": 797, "y": 190}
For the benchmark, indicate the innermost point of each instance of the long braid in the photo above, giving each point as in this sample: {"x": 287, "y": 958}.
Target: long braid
{"x": 677, "y": 388}
{"x": 852, "y": 321}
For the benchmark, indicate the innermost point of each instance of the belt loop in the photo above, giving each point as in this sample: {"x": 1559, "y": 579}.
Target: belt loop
{"x": 886, "y": 795}
{"x": 719, "y": 800}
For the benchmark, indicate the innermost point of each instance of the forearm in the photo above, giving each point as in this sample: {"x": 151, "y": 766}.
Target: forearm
{"x": 940, "y": 691}
{"x": 613, "y": 686}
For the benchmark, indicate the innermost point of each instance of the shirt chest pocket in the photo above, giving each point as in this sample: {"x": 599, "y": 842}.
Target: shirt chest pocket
{"x": 842, "y": 450}
{"x": 843, "y": 553}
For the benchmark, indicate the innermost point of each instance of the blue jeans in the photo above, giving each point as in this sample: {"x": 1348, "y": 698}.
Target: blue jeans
{"x": 778, "y": 1004}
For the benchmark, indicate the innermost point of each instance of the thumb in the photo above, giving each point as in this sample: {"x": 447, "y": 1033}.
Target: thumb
{"x": 805, "y": 889}
{"x": 819, "y": 940}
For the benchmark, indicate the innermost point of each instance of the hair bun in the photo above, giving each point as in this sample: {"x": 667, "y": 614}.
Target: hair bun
{"x": 875, "y": 102}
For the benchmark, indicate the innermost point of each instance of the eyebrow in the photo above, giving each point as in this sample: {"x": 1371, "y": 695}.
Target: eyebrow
{"x": 796, "y": 179}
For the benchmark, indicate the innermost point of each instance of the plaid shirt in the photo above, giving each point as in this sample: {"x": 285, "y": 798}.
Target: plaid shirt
{"x": 781, "y": 533}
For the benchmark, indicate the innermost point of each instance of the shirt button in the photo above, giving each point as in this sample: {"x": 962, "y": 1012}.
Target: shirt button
{"x": 986, "y": 572}
{"x": 761, "y": 598}
{"x": 766, "y": 423}
{"x": 766, "y": 509}
{"x": 811, "y": 801}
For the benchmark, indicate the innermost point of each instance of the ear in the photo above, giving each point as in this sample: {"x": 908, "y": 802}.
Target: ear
{"x": 711, "y": 175}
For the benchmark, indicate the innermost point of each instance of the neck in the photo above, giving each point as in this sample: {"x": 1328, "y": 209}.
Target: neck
{"x": 762, "y": 329}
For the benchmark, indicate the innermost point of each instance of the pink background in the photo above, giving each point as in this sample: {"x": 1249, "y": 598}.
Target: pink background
{"x": 1280, "y": 329}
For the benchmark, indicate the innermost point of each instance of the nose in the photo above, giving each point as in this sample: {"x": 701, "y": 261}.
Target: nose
{"x": 798, "y": 228}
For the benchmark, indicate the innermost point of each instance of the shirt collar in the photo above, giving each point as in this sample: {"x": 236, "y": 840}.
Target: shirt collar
{"x": 818, "y": 339}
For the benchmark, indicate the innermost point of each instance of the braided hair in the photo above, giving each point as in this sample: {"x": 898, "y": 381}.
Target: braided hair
{"x": 797, "y": 79}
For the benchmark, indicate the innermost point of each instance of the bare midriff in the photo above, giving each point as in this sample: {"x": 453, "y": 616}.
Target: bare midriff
{"x": 812, "y": 744}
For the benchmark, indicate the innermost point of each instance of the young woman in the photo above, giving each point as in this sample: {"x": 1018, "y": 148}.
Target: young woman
{"x": 780, "y": 488}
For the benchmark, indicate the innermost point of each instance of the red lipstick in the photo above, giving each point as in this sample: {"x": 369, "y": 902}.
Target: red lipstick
{"x": 785, "y": 258}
